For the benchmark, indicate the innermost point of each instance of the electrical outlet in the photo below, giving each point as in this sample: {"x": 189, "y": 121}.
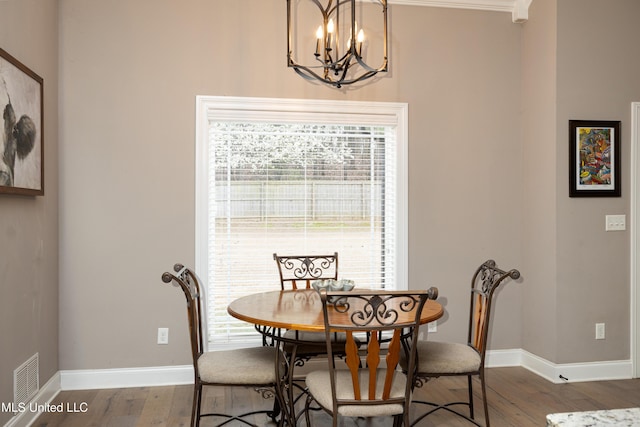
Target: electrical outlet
{"x": 432, "y": 327}
{"x": 163, "y": 335}
{"x": 599, "y": 331}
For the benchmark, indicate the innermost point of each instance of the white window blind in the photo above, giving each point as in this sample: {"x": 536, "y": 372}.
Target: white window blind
{"x": 295, "y": 184}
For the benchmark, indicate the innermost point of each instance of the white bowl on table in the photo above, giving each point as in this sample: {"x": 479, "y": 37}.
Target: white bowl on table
{"x": 333, "y": 285}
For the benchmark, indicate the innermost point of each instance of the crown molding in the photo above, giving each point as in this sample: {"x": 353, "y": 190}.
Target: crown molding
{"x": 519, "y": 8}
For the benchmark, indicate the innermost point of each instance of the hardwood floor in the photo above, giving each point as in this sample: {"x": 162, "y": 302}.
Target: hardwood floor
{"x": 517, "y": 398}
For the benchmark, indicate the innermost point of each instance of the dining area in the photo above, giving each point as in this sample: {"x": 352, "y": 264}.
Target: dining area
{"x": 333, "y": 351}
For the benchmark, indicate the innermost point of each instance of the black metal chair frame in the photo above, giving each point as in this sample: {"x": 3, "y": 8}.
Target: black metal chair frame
{"x": 484, "y": 283}
{"x": 190, "y": 285}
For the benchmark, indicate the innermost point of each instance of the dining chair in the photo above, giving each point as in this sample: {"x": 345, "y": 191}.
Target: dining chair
{"x": 369, "y": 384}
{"x": 436, "y": 359}
{"x": 247, "y": 367}
{"x": 298, "y": 272}
{"x": 301, "y": 270}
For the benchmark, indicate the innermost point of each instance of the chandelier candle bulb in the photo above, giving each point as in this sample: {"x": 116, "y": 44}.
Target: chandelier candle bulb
{"x": 360, "y": 40}
{"x": 319, "y": 34}
{"x": 330, "y": 28}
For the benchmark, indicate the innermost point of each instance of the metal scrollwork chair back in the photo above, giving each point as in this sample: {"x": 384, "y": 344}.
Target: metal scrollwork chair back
{"x": 370, "y": 386}
{"x": 437, "y": 359}
{"x": 299, "y": 271}
{"x": 247, "y": 367}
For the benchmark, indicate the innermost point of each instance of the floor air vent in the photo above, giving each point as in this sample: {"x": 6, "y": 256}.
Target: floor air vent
{"x": 26, "y": 380}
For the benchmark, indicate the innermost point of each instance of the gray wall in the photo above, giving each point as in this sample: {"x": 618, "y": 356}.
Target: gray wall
{"x": 540, "y": 174}
{"x": 580, "y": 61}
{"x": 130, "y": 74}
{"x": 29, "y": 225}
{"x": 489, "y": 102}
{"x": 597, "y": 78}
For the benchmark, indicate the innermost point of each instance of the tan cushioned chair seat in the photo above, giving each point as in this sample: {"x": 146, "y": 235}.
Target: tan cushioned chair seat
{"x": 319, "y": 385}
{"x": 446, "y": 358}
{"x": 250, "y": 366}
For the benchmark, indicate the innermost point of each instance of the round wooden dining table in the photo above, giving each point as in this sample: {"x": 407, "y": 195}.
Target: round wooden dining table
{"x": 299, "y": 310}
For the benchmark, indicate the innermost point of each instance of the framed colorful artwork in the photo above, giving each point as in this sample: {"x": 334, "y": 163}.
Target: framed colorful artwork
{"x": 594, "y": 158}
{"x": 21, "y": 107}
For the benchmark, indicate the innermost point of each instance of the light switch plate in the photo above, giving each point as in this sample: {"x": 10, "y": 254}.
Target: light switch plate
{"x": 616, "y": 222}
{"x": 163, "y": 335}
{"x": 599, "y": 331}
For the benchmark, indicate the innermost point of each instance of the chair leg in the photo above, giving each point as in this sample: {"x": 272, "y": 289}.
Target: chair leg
{"x": 276, "y": 409}
{"x": 484, "y": 399}
{"x": 401, "y": 420}
{"x": 470, "y": 390}
{"x": 197, "y": 400}
{"x": 450, "y": 405}
{"x": 307, "y": 418}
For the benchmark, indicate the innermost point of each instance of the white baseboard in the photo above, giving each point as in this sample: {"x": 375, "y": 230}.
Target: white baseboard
{"x": 172, "y": 375}
{"x": 503, "y": 358}
{"x": 561, "y": 373}
{"x": 31, "y": 411}
{"x": 86, "y": 379}
{"x": 577, "y": 372}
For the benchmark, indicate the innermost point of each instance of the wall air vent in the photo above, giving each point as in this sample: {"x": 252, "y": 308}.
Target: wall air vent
{"x": 26, "y": 380}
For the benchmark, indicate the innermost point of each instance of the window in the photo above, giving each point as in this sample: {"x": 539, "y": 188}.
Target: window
{"x": 296, "y": 177}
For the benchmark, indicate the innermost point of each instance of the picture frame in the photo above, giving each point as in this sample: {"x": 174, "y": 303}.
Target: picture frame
{"x": 594, "y": 158}
{"x": 21, "y": 128}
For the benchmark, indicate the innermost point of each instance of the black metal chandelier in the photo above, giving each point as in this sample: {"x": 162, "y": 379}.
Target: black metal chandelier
{"x": 335, "y": 52}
